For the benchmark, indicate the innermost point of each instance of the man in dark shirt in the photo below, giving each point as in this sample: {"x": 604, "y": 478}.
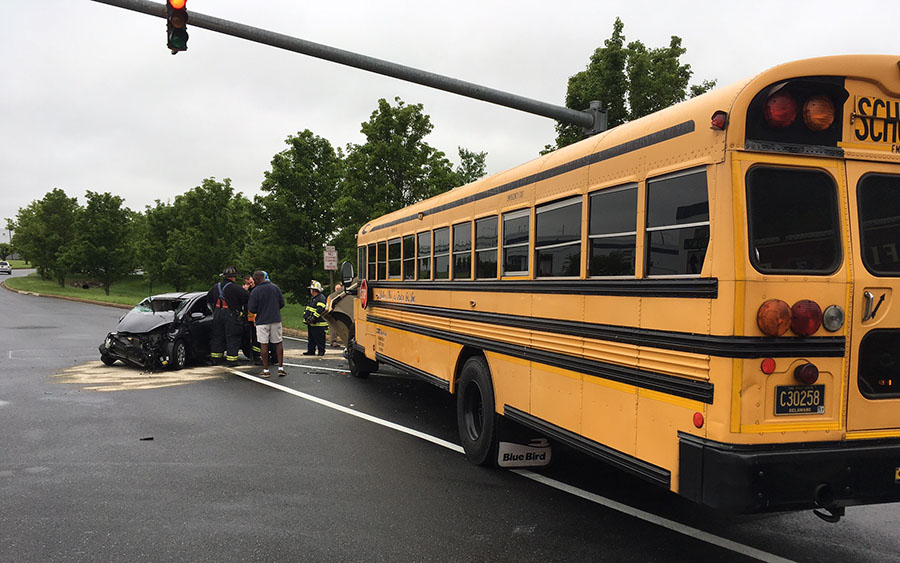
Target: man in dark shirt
{"x": 266, "y": 303}
{"x": 228, "y": 301}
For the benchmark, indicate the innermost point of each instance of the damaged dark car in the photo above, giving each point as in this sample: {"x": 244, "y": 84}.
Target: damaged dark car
{"x": 163, "y": 331}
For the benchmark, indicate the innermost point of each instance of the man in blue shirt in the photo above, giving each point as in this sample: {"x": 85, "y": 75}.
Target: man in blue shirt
{"x": 266, "y": 302}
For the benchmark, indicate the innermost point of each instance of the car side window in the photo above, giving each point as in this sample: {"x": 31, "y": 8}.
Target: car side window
{"x": 201, "y": 306}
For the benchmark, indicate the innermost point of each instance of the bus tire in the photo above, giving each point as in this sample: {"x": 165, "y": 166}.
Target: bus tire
{"x": 475, "y": 414}
{"x": 360, "y": 365}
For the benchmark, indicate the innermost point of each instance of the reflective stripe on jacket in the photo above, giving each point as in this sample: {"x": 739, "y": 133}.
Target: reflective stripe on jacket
{"x": 314, "y": 311}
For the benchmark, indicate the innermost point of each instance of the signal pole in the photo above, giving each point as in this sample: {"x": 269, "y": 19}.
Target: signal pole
{"x": 592, "y": 120}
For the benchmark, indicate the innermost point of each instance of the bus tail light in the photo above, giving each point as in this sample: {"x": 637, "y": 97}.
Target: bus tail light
{"x": 718, "y": 120}
{"x": 818, "y": 113}
{"x": 806, "y": 374}
{"x": 780, "y": 110}
{"x": 767, "y": 366}
{"x": 806, "y": 317}
{"x": 774, "y": 317}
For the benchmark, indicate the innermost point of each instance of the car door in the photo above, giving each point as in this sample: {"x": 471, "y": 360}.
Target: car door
{"x": 199, "y": 327}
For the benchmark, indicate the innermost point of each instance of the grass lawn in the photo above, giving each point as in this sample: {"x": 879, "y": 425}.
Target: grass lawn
{"x": 128, "y": 291}
{"x": 18, "y": 264}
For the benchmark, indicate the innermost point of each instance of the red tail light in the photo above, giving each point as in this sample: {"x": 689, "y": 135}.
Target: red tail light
{"x": 806, "y": 317}
{"x": 774, "y": 317}
{"x": 718, "y": 120}
{"x": 781, "y": 110}
{"x": 806, "y": 374}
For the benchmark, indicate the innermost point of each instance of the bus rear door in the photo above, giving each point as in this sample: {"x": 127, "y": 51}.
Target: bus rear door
{"x": 873, "y": 399}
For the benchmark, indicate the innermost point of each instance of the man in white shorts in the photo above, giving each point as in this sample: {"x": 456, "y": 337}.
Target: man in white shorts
{"x": 266, "y": 301}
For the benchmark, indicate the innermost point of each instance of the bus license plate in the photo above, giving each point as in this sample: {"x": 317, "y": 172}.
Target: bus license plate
{"x": 800, "y": 399}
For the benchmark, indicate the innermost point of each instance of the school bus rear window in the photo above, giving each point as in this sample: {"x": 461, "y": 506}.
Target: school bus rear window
{"x": 793, "y": 221}
{"x": 879, "y": 223}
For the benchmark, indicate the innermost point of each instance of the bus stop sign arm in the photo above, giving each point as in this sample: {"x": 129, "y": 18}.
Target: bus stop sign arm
{"x": 592, "y": 120}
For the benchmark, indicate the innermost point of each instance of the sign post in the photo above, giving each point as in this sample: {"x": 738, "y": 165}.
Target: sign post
{"x": 331, "y": 260}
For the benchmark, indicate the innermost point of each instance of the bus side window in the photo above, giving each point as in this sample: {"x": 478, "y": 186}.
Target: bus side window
{"x": 409, "y": 257}
{"x": 677, "y": 223}
{"x": 424, "y": 254}
{"x": 462, "y": 251}
{"x": 382, "y": 260}
{"x": 486, "y": 247}
{"x": 394, "y": 255}
{"x": 612, "y": 231}
{"x": 442, "y": 253}
{"x": 372, "y": 264}
{"x": 557, "y": 244}
{"x": 361, "y": 261}
{"x": 516, "y": 237}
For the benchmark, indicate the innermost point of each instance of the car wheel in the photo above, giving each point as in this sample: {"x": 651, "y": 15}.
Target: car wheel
{"x": 179, "y": 355}
{"x": 475, "y": 414}
{"x": 107, "y": 359}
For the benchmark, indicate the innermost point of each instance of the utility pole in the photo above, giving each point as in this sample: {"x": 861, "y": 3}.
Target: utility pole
{"x": 592, "y": 120}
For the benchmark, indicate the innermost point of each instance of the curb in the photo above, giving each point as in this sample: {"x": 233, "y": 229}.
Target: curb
{"x": 288, "y": 331}
{"x": 66, "y": 297}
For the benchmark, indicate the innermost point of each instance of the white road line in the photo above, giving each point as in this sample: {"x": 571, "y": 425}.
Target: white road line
{"x": 652, "y": 518}
{"x": 292, "y": 338}
{"x": 317, "y": 368}
{"x": 351, "y": 412}
{"x": 603, "y": 501}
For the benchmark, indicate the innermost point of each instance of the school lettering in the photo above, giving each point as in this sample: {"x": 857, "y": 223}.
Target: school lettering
{"x": 877, "y": 120}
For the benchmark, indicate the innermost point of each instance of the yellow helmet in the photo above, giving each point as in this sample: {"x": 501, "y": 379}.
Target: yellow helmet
{"x": 315, "y": 285}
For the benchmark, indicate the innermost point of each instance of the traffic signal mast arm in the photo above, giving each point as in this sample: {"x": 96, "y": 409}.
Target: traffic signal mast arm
{"x": 592, "y": 120}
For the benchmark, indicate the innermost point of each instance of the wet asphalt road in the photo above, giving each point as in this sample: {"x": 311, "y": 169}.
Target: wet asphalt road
{"x": 237, "y": 470}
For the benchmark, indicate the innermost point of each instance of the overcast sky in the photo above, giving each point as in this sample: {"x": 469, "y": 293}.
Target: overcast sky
{"x": 92, "y": 100}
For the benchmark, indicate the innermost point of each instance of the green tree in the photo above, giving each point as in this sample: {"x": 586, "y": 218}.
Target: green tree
{"x": 394, "y": 168}
{"x": 103, "y": 244}
{"x": 294, "y": 218}
{"x": 5, "y": 250}
{"x": 152, "y": 238}
{"x": 471, "y": 166}
{"x": 190, "y": 242}
{"x": 631, "y": 80}
{"x": 44, "y": 234}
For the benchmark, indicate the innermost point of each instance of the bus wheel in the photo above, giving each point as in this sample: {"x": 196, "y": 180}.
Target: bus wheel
{"x": 360, "y": 365}
{"x": 475, "y": 413}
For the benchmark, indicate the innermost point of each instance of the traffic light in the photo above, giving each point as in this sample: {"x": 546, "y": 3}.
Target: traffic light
{"x": 176, "y": 25}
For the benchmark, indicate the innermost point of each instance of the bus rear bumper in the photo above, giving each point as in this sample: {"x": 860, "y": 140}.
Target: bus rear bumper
{"x": 773, "y": 477}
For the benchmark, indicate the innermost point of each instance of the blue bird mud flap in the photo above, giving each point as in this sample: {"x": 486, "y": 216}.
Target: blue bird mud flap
{"x": 521, "y": 447}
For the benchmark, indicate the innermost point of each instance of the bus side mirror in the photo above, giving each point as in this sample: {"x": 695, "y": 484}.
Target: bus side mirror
{"x": 347, "y": 274}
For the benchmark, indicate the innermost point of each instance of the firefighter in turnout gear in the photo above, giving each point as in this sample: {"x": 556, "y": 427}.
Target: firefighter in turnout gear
{"x": 228, "y": 301}
{"x": 315, "y": 323}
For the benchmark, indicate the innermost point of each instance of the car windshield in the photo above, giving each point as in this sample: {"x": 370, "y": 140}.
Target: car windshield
{"x": 159, "y": 305}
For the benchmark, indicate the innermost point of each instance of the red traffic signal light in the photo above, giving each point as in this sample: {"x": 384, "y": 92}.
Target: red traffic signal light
{"x": 176, "y": 25}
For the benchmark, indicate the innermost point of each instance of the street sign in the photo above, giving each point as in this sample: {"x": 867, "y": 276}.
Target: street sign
{"x": 331, "y": 258}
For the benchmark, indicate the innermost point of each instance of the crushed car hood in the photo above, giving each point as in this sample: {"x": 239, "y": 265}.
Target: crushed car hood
{"x": 135, "y": 322}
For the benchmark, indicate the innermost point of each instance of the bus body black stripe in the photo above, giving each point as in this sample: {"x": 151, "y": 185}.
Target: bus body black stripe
{"x": 669, "y": 384}
{"x": 433, "y": 379}
{"x": 712, "y": 345}
{"x": 612, "y": 152}
{"x": 691, "y": 288}
{"x": 641, "y": 468}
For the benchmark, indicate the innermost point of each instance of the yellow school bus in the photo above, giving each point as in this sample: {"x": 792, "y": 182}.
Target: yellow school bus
{"x": 703, "y": 297}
